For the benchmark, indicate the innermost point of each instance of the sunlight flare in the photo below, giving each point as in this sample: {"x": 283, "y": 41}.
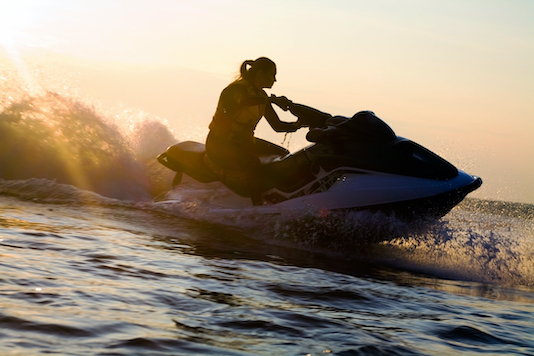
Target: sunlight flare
{"x": 15, "y": 18}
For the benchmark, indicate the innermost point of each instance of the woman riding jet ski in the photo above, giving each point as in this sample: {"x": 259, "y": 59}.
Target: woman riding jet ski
{"x": 355, "y": 163}
{"x": 230, "y": 143}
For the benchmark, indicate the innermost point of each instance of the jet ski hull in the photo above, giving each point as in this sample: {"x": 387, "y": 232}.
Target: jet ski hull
{"x": 406, "y": 197}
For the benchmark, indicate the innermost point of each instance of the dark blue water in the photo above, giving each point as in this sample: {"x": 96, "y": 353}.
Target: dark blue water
{"x": 93, "y": 263}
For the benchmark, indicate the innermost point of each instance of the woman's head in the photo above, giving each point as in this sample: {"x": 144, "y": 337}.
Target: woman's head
{"x": 261, "y": 72}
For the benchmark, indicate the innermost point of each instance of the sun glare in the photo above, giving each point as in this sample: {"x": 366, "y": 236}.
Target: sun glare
{"x": 15, "y": 18}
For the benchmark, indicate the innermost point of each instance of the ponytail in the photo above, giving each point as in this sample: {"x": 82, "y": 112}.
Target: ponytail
{"x": 244, "y": 71}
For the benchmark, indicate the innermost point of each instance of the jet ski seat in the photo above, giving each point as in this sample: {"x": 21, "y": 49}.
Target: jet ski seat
{"x": 188, "y": 157}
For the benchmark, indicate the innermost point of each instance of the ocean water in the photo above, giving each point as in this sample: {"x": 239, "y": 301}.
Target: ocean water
{"x": 97, "y": 258}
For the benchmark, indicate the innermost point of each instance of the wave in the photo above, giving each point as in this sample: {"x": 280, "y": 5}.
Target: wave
{"x": 490, "y": 245}
{"x": 55, "y": 137}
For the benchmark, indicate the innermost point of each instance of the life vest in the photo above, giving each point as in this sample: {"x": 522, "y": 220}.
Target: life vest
{"x": 238, "y": 126}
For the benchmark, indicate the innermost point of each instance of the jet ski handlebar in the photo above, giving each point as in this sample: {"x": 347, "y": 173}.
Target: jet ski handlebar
{"x": 307, "y": 115}
{"x": 363, "y": 126}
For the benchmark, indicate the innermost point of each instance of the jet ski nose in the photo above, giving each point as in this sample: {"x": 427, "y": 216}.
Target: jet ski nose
{"x": 476, "y": 184}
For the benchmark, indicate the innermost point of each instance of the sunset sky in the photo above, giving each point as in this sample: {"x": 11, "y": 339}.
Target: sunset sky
{"x": 456, "y": 76}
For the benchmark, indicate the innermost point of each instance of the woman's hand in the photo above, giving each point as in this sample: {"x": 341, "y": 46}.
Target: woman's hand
{"x": 298, "y": 124}
{"x": 281, "y": 101}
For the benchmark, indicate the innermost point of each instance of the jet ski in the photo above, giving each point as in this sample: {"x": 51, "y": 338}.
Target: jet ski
{"x": 355, "y": 163}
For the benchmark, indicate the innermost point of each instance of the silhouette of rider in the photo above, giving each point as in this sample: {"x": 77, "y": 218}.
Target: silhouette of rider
{"x": 230, "y": 143}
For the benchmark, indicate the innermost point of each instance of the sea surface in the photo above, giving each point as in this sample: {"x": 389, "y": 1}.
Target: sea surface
{"x": 97, "y": 257}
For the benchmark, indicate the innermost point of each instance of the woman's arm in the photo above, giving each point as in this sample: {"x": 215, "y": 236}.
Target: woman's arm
{"x": 276, "y": 123}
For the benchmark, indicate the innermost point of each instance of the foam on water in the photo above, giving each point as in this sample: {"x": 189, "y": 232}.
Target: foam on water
{"x": 471, "y": 246}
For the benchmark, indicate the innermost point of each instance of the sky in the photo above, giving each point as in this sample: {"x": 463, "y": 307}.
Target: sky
{"x": 456, "y": 76}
